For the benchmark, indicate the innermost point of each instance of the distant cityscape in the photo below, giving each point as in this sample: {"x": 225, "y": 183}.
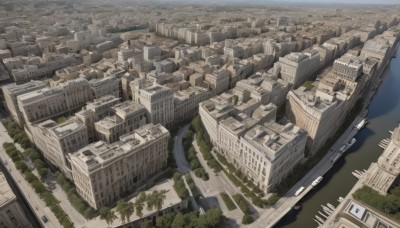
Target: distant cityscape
{"x": 183, "y": 114}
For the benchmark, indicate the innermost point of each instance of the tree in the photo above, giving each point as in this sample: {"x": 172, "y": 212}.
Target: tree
{"x": 179, "y": 221}
{"x": 121, "y": 207}
{"x": 30, "y": 177}
{"x": 21, "y": 166}
{"x": 212, "y": 218}
{"x": 43, "y": 172}
{"x": 129, "y": 211}
{"x": 38, "y": 186}
{"x": 166, "y": 220}
{"x": 160, "y": 199}
{"x": 247, "y": 219}
{"x": 108, "y": 215}
{"x": 146, "y": 224}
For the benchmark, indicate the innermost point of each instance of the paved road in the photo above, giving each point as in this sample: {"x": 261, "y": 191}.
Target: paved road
{"x": 179, "y": 154}
{"x": 31, "y": 197}
{"x": 272, "y": 215}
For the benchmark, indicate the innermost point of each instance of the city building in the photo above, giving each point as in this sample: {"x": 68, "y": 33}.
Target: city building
{"x": 159, "y": 103}
{"x": 186, "y": 102}
{"x": 48, "y": 103}
{"x": 296, "y": 68}
{"x": 11, "y": 213}
{"x": 105, "y": 86}
{"x": 55, "y": 141}
{"x": 125, "y": 117}
{"x": 382, "y": 175}
{"x": 103, "y": 172}
{"x": 12, "y": 91}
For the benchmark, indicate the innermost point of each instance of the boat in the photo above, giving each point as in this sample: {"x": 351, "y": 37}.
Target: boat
{"x": 323, "y": 215}
{"x": 343, "y": 149}
{"x": 336, "y": 157}
{"x": 316, "y": 181}
{"x": 362, "y": 123}
{"x": 340, "y": 199}
{"x": 319, "y": 219}
{"x": 319, "y": 223}
{"x": 330, "y": 206}
{"x": 351, "y": 143}
{"x": 297, "y": 207}
{"x": 301, "y": 189}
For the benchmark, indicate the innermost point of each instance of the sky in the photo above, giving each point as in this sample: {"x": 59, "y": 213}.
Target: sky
{"x": 316, "y": 1}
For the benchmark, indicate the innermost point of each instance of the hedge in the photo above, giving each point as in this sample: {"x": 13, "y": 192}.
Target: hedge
{"x": 228, "y": 201}
{"x": 242, "y": 203}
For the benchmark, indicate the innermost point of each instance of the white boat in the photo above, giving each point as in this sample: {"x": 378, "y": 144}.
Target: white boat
{"x": 301, "y": 189}
{"x": 343, "y": 149}
{"x": 316, "y": 181}
{"x": 351, "y": 143}
{"x": 336, "y": 157}
{"x": 361, "y": 124}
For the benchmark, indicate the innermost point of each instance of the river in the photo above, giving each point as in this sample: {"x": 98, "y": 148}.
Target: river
{"x": 383, "y": 115}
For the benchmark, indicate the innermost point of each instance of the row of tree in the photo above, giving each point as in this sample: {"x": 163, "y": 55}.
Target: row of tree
{"x": 190, "y": 154}
{"x": 38, "y": 186}
{"x": 154, "y": 200}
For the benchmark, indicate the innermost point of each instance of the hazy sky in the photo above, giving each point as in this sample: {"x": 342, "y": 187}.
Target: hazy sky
{"x": 324, "y": 1}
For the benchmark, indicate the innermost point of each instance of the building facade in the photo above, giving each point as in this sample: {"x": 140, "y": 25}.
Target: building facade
{"x": 103, "y": 173}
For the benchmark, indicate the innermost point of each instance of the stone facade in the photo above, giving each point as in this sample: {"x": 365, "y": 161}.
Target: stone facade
{"x": 102, "y": 173}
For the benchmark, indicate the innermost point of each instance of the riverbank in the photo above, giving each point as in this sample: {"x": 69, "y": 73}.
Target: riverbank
{"x": 383, "y": 114}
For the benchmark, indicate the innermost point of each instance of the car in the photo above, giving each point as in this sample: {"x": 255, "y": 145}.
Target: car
{"x": 44, "y": 219}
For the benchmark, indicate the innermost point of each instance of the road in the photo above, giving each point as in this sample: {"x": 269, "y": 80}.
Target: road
{"x": 37, "y": 205}
{"x": 273, "y": 214}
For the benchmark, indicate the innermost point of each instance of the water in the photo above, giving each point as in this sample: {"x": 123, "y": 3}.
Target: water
{"x": 383, "y": 115}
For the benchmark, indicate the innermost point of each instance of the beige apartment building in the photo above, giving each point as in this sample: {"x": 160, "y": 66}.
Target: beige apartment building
{"x": 254, "y": 143}
{"x": 55, "y": 141}
{"x": 218, "y": 80}
{"x": 95, "y": 111}
{"x": 269, "y": 152}
{"x": 11, "y": 214}
{"x": 318, "y": 117}
{"x": 48, "y": 103}
{"x": 104, "y": 172}
{"x": 186, "y": 102}
{"x": 127, "y": 116}
{"x": 296, "y": 68}
{"x": 159, "y": 103}
{"x": 12, "y": 91}
{"x": 104, "y": 86}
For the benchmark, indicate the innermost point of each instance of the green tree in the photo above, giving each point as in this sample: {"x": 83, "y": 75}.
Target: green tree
{"x": 146, "y": 224}
{"x": 160, "y": 199}
{"x": 247, "y": 219}
{"x": 108, "y": 215}
{"x": 121, "y": 208}
{"x": 179, "y": 221}
{"x": 139, "y": 210}
{"x": 166, "y": 220}
{"x": 212, "y": 218}
{"x": 38, "y": 186}
{"x": 21, "y": 166}
{"x": 129, "y": 211}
